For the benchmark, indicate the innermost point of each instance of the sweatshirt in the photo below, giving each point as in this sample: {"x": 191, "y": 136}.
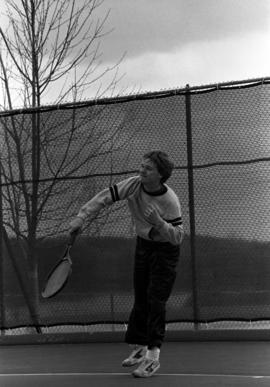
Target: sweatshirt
{"x": 166, "y": 202}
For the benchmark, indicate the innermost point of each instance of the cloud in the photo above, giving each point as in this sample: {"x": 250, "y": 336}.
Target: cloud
{"x": 199, "y": 63}
{"x": 170, "y": 43}
{"x": 161, "y": 25}
{"x": 196, "y": 63}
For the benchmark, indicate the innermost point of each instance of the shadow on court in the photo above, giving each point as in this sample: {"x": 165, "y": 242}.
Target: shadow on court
{"x": 184, "y": 364}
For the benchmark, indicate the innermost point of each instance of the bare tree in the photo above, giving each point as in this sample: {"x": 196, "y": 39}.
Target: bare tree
{"x": 48, "y": 41}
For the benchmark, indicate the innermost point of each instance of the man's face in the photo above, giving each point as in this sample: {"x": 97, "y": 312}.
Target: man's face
{"x": 149, "y": 173}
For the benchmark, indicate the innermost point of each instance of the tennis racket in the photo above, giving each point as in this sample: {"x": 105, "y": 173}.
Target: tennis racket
{"x": 60, "y": 273}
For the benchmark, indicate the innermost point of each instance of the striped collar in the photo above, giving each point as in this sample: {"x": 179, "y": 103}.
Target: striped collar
{"x": 160, "y": 192}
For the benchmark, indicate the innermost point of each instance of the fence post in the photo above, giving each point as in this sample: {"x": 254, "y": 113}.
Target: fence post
{"x": 2, "y": 293}
{"x": 191, "y": 206}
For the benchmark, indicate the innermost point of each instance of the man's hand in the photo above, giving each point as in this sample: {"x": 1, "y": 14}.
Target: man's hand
{"x": 75, "y": 224}
{"x": 152, "y": 214}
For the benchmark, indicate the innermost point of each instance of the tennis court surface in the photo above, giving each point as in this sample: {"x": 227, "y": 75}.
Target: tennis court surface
{"x": 184, "y": 364}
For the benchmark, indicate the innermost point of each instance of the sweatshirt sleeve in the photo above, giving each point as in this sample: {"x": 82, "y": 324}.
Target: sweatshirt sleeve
{"x": 170, "y": 227}
{"x": 108, "y": 196}
{"x": 171, "y": 230}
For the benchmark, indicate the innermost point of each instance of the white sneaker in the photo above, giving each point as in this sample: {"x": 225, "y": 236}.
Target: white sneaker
{"x": 136, "y": 357}
{"x": 146, "y": 369}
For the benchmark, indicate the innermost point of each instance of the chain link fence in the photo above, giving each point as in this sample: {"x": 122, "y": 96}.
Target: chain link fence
{"x": 55, "y": 158}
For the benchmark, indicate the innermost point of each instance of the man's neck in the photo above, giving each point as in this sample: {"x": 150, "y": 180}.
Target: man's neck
{"x": 153, "y": 187}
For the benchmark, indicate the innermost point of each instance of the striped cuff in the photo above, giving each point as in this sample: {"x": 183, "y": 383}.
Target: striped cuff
{"x": 175, "y": 222}
{"x": 114, "y": 193}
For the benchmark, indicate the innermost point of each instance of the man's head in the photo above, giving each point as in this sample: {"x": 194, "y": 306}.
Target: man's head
{"x": 163, "y": 164}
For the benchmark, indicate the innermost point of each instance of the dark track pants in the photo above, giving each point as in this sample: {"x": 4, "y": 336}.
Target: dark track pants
{"x": 154, "y": 276}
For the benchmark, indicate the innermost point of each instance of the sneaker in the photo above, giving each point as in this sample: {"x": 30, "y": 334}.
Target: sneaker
{"x": 136, "y": 357}
{"x": 147, "y": 368}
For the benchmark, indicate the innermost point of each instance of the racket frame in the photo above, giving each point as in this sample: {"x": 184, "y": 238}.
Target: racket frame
{"x": 65, "y": 257}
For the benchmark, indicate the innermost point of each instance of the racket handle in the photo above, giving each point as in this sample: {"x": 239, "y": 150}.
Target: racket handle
{"x": 72, "y": 237}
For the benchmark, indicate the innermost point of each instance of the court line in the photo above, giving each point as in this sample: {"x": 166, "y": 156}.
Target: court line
{"x": 125, "y": 374}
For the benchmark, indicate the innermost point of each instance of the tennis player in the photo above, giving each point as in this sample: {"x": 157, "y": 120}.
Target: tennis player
{"x": 156, "y": 213}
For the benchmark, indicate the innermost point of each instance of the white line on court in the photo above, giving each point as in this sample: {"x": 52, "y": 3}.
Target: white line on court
{"x": 125, "y": 374}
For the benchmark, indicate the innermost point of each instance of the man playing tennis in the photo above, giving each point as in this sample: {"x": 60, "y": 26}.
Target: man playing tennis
{"x": 156, "y": 213}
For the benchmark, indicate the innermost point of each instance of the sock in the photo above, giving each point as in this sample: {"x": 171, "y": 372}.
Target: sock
{"x": 153, "y": 354}
{"x": 138, "y": 346}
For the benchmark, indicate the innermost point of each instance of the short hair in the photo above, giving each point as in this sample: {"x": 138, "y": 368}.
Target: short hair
{"x": 162, "y": 162}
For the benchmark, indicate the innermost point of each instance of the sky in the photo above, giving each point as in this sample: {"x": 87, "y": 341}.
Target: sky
{"x": 168, "y": 44}
{"x": 171, "y": 43}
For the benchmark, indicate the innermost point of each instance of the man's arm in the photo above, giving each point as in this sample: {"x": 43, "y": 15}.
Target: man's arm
{"x": 104, "y": 199}
{"x": 172, "y": 231}
{"x": 91, "y": 209}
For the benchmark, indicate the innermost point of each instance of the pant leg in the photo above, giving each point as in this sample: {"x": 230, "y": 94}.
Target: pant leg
{"x": 162, "y": 277}
{"x": 154, "y": 276}
{"x": 137, "y": 332}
